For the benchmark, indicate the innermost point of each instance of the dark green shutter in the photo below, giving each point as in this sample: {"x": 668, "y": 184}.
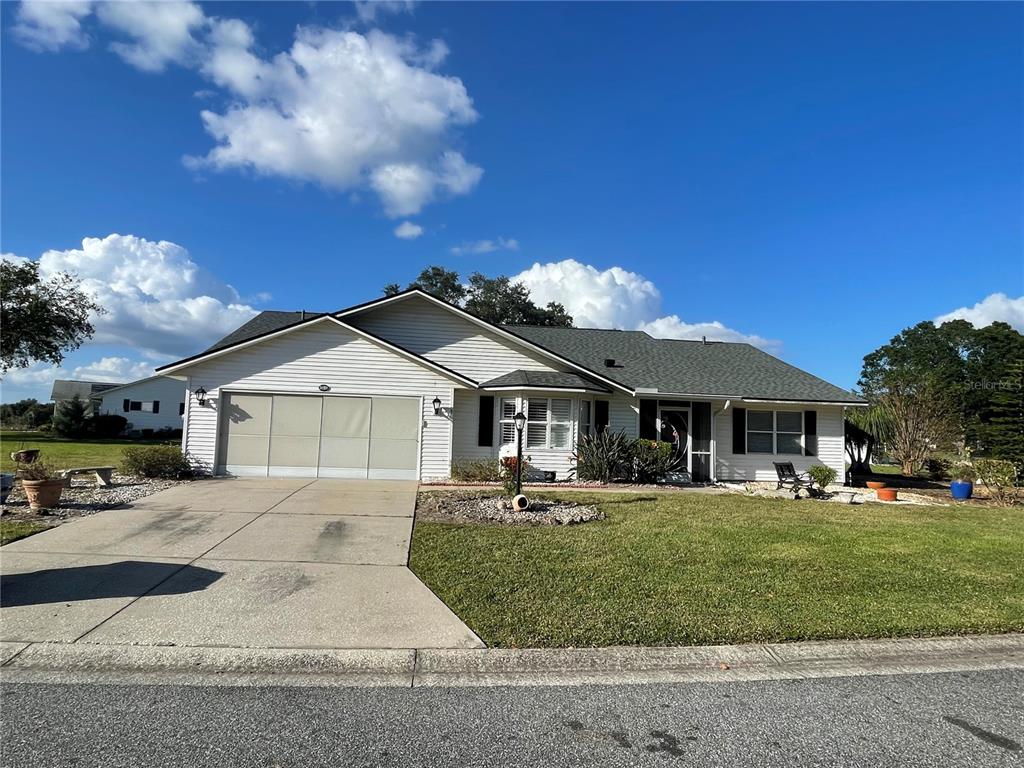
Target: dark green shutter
{"x": 649, "y": 419}
{"x": 600, "y": 416}
{"x": 127, "y": 405}
{"x": 156, "y": 406}
{"x": 739, "y": 430}
{"x": 810, "y": 433}
{"x": 485, "y": 428}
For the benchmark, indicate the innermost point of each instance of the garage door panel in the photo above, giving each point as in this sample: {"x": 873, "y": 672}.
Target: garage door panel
{"x": 346, "y": 417}
{"x": 395, "y": 418}
{"x": 247, "y": 450}
{"x": 337, "y": 452}
{"x": 393, "y": 454}
{"x": 296, "y": 416}
{"x": 247, "y": 414}
{"x": 294, "y": 452}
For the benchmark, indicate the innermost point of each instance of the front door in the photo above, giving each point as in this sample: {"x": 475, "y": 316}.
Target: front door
{"x": 674, "y": 428}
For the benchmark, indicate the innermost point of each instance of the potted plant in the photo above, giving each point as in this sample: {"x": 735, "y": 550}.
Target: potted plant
{"x": 25, "y": 455}
{"x": 962, "y": 486}
{"x": 43, "y": 486}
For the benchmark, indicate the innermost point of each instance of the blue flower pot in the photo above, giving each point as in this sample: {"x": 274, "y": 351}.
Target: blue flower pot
{"x": 961, "y": 490}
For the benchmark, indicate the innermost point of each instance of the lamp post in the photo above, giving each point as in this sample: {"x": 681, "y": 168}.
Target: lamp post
{"x": 520, "y": 422}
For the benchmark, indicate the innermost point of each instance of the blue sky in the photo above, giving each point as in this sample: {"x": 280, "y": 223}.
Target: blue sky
{"x": 812, "y": 178}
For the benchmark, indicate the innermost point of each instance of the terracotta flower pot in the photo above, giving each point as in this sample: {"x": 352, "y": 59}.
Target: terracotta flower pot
{"x": 886, "y": 494}
{"x": 43, "y": 494}
{"x": 874, "y": 485}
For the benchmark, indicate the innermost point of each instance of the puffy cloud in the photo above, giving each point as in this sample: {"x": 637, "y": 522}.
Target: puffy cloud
{"x": 368, "y": 10}
{"x": 52, "y": 25}
{"x": 996, "y": 307}
{"x": 477, "y": 247}
{"x": 408, "y": 231}
{"x": 161, "y": 32}
{"x": 157, "y": 298}
{"x": 618, "y": 298}
{"x": 343, "y": 110}
{"x": 118, "y": 370}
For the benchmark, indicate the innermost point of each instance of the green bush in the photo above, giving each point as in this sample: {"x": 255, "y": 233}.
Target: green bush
{"x": 604, "y": 457}
{"x": 476, "y": 471}
{"x": 106, "y": 425}
{"x": 1000, "y": 479}
{"x": 652, "y": 461}
{"x": 937, "y": 469}
{"x": 821, "y": 475}
{"x": 508, "y": 472}
{"x": 69, "y": 419}
{"x": 163, "y": 461}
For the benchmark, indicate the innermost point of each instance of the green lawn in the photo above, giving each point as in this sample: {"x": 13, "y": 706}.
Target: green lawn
{"x": 12, "y": 530}
{"x": 677, "y": 569}
{"x": 62, "y": 452}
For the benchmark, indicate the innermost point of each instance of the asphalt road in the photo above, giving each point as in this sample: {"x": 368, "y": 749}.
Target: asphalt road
{"x": 970, "y": 719}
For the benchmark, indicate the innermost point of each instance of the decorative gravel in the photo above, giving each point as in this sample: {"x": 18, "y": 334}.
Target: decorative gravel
{"x": 84, "y": 497}
{"x": 491, "y": 509}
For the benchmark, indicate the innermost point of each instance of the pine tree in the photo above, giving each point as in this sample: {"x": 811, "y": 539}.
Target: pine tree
{"x": 1004, "y": 433}
{"x": 69, "y": 418}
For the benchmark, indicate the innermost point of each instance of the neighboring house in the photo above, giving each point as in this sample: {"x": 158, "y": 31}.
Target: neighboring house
{"x": 157, "y": 402}
{"x": 88, "y": 392}
{"x": 353, "y": 393}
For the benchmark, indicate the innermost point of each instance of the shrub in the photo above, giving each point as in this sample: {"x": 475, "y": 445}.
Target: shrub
{"x": 38, "y": 470}
{"x": 964, "y": 471}
{"x": 652, "y": 461}
{"x": 821, "y": 475}
{"x": 1000, "y": 479}
{"x": 476, "y": 471}
{"x": 508, "y": 472}
{"x": 604, "y": 457}
{"x": 106, "y": 425}
{"x": 168, "y": 433}
{"x": 163, "y": 461}
{"x": 937, "y": 469}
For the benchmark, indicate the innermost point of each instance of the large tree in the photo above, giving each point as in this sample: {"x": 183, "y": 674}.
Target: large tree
{"x": 495, "y": 299}
{"x": 41, "y": 319}
{"x": 1003, "y": 433}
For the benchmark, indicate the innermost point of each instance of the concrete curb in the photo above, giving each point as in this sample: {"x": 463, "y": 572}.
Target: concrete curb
{"x": 173, "y": 665}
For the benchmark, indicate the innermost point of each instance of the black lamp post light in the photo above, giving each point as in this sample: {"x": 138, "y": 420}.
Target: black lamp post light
{"x": 519, "y": 502}
{"x": 437, "y": 406}
{"x": 200, "y": 394}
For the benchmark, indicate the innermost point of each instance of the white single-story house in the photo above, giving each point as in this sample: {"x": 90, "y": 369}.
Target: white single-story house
{"x": 156, "y": 402}
{"x": 402, "y": 386}
{"x": 89, "y": 392}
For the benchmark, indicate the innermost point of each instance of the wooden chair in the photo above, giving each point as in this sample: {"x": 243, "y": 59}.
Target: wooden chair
{"x": 789, "y": 478}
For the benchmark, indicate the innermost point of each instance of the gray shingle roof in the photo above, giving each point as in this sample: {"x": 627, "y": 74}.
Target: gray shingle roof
{"x": 673, "y": 366}
{"x": 265, "y": 322}
{"x": 546, "y": 380}
{"x": 66, "y": 389}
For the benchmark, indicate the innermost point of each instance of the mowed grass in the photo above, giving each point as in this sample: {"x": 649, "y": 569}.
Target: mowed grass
{"x": 64, "y": 453}
{"x": 12, "y": 530}
{"x": 680, "y": 569}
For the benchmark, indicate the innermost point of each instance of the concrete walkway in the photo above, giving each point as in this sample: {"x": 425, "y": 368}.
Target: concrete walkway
{"x": 260, "y": 563}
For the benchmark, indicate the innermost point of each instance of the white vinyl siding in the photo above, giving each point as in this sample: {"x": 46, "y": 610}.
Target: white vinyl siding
{"x": 170, "y": 393}
{"x": 758, "y": 466}
{"x": 321, "y": 354}
{"x": 442, "y": 336}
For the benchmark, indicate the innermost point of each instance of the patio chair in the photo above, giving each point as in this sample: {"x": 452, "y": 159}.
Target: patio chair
{"x": 790, "y": 478}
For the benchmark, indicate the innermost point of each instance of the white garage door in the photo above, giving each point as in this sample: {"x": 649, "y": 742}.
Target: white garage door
{"x": 303, "y": 436}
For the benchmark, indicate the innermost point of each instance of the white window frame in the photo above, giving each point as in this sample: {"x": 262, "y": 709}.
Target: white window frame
{"x": 509, "y": 421}
{"x": 523, "y": 404}
{"x": 775, "y": 432}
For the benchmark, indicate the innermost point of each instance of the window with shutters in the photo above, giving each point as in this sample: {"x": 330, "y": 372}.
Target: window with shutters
{"x": 779, "y": 432}
{"x": 507, "y": 426}
{"x": 549, "y": 422}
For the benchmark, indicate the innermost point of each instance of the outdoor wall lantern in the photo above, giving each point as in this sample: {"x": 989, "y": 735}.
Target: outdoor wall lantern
{"x": 437, "y": 406}
{"x": 200, "y": 396}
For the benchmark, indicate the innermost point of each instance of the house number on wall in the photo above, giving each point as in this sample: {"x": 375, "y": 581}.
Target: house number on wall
{"x": 324, "y": 388}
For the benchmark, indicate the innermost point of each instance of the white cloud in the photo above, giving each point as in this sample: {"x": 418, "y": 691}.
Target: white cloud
{"x": 118, "y": 370}
{"x": 161, "y": 32}
{"x": 50, "y": 26}
{"x": 408, "y": 230}
{"x": 996, "y": 307}
{"x": 368, "y": 10}
{"x": 618, "y": 298}
{"x": 157, "y": 298}
{"x": 343, "y": 110}
{"x": 477, "y": 247}
{"x": 340, "y": 108}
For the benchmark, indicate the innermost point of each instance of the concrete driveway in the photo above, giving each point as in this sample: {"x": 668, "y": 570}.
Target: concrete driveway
{"x": 272, "y": 563}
